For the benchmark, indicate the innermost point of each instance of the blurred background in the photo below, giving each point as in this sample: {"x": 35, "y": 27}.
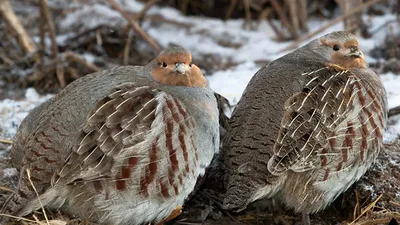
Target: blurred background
{"x": 46, "y": 44}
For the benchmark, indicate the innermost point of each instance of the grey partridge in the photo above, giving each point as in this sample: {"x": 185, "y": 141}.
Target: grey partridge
{"x": 121, "y": 146}
{"x": 308, "y": 125}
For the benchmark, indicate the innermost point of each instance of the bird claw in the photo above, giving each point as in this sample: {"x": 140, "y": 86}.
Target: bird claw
{"x": 336, "y": 67}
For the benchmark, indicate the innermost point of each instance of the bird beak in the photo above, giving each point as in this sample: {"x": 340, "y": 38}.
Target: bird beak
{"x": 355, "y": 53}
{"x": 181, "y": 68}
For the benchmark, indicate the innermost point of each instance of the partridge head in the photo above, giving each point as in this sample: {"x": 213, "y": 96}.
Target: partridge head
{"x": 308, "y": 125}
{"x": 121, "y": 146}
{"x": 339, "y": 49}
{"x": 174, "y": 67}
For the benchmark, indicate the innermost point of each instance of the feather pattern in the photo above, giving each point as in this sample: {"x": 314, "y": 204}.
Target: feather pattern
{"x": 139, "y": 133}
{"x": 307, "y": 126}
{"x": 319, "y": 126}
{"x": 120, "y": 146}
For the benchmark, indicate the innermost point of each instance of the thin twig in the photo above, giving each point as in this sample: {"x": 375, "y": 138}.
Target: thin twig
{"x": 184, "y": 6}
{"x": 28, "y": 173}
{"x": 159, "y": 18}
{"x": 5, "y": 59}
{"x": 42, "y": 23}
{"x": 25, "y": 42}
{"x": 143, "y": 12}
{"x": 395, "y": 203}
{"x": 45, "y": 11}
{"x": 6, "y": 189}
{"x": 369, "y": 207}
{"x": 217, "y": 201}
{"x": 18, "y": 218}
{"x": 376, "y": 30}
{"x": 330, "y": 23}
{"x": 42, "y": 44}
{"x": 76, "y": 58}
{"x": 283, "y": 18}
{"x": 303, "y": 15}
{"x": 4, "y": 141}
{"x": 72, "y": 72}
{"x": 231, "y": 7}
{"x": 99, "y": 39}
{"x": 277, "y": 31}
{"x": 263, "y": 15}
{"x": 377, "y": 221}
{"x": 135, "y": 26}
{"x": 127, "y": 47}
{"x": 294, "y": 14}
{"x": 394, "y": 111}
{"x": 60, "y": 73}
{"x": 54, "y": 49}
{"x": 247, "y": 11}
{"x": 356, "y": 207}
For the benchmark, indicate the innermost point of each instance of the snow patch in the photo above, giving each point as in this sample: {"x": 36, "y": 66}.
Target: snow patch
{"x": 93, "y": 16}
{"x": 232, "y": 82}
{"x": 32, "y": 95}
{"x": 10, "y": 172}
{"x": 12, "y": 112}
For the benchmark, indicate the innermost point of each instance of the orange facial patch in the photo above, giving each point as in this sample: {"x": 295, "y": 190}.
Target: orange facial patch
{"x": 167, "y": 73}
{"x": 339, "y": 58}
{"x": 348, "y": 62}
{"x": 167, "y": 76}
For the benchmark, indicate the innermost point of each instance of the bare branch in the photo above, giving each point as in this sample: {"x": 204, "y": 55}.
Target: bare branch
{"x": 6, "y": 11}
{"x": 330, "y": 23}
{"x": 135, "y": 26}
{"x": 394, "y": 111}
{"x": 45, "y": 12}
{"x": 284, "y": 20}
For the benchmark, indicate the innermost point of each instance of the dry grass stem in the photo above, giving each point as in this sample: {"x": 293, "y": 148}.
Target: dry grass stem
{"x": 18, "y": 218}
{"x": 394, "y": 111}
{"x": 143, "y": 12}
{"x": 231, "y": 7}
{"x": 49, "y": 21}
{"x": 2, "y": 188}
{"x": 127, "y": 47}
{"x": 283, "y": 18}
{"x": 367, "y": 209}
{"x": 37, "y": 195}
{"x": 24, "y": 40}
{"x": 5, "y": 141}
{"x": 135, "y": 26}
{"x": 78, "y": 59}
{"x": 338, "y": 19}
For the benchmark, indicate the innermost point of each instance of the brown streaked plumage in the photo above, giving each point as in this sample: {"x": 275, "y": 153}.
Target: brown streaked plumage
{"x": 308, "y": 125}
{"x": 121, "y": 146}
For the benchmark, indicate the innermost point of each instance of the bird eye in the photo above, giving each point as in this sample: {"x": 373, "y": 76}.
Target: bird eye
{"x": 336, "y": 47}
{"x": 164, "y": 64}
{"x": 190, "y": 65}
